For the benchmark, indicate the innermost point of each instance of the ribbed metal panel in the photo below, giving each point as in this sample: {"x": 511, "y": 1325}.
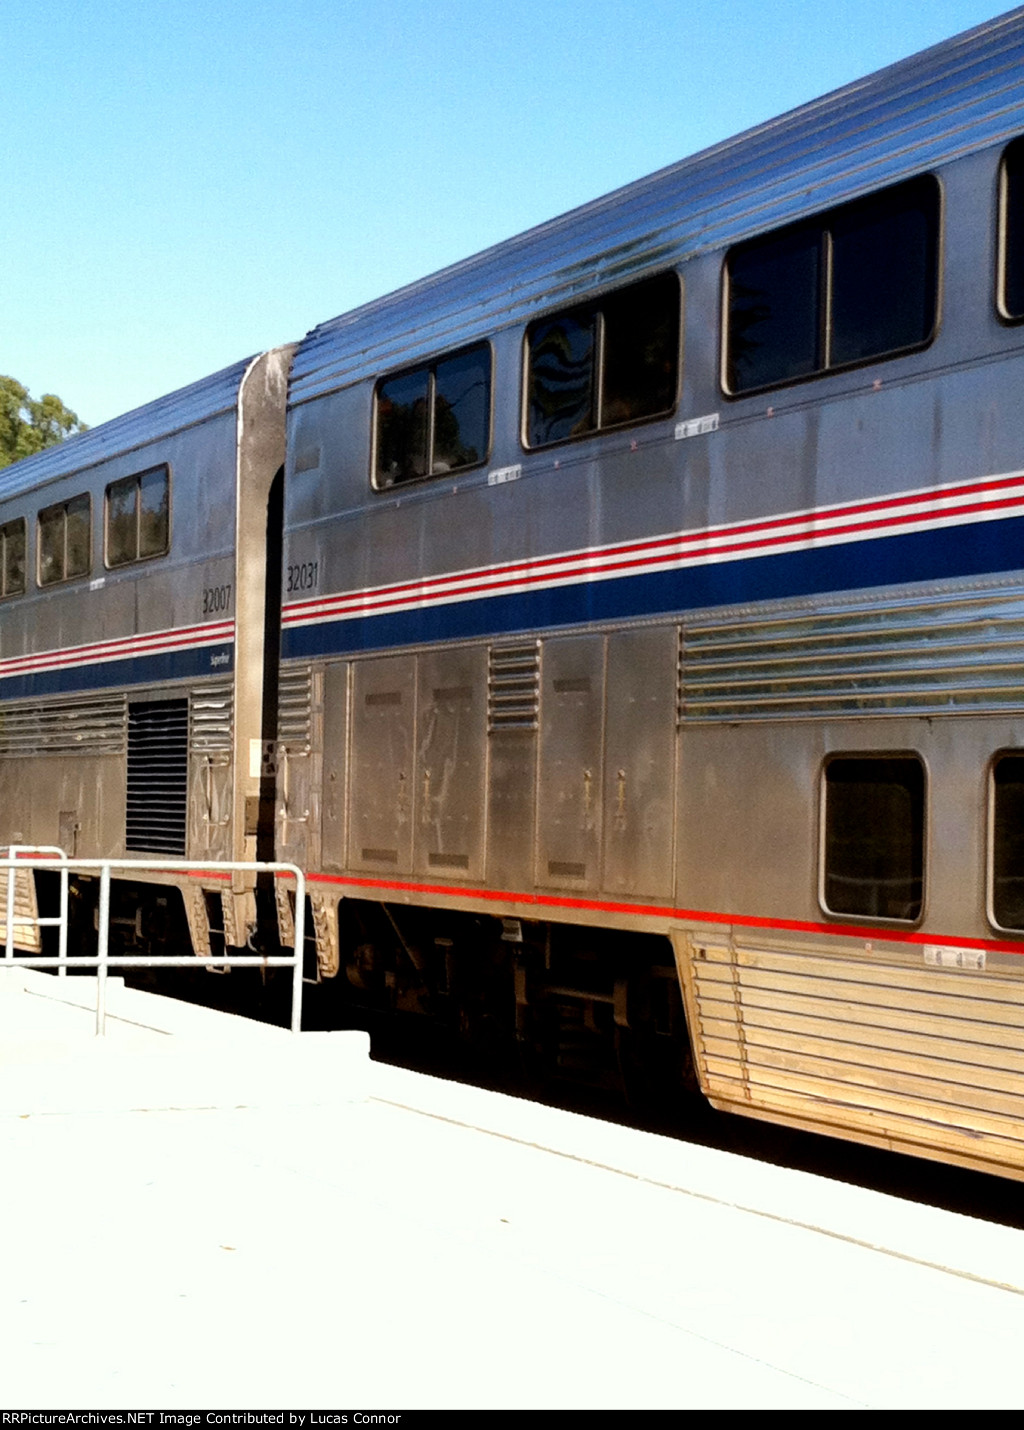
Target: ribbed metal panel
{"x": 915, "y": 1054}
{"x": 294, "y": 717}
{"x": 173, "y": 413}
{"x": 157, "y": 777}
{"x": 26, "y": 911}
{"x": 955, "y": 98}
{"x": 898, "y": 658}
{"x": 513, "y": 687}
{"x": 210, "y": 719}
{"x": 90, "y": 725}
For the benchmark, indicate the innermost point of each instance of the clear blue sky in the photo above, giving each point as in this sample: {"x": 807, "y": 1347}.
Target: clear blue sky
{"x": 190, "y": 181}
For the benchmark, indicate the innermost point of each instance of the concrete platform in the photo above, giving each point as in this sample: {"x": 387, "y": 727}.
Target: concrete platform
{"x": 206, "y": 1213}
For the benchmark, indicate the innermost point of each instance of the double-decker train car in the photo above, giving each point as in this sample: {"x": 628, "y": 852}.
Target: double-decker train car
{"x": 646, "y": 687}
{"x": 132, "y": 628}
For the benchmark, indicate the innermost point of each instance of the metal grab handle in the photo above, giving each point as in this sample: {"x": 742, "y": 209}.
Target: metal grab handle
{"x": 284, "y": 765}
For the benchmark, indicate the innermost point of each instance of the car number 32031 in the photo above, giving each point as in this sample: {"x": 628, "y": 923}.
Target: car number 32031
{"x": 303, "y": 577}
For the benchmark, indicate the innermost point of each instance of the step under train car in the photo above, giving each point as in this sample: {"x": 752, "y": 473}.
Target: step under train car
{"x": 646, "y": 686}
{"x": 132, "y": 652}
{"x": 653, "y": 623}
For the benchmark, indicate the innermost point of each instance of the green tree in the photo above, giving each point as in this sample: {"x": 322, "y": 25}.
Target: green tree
{"x": 28, "y": 424}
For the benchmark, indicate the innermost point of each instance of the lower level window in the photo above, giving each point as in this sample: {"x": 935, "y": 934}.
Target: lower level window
{"x": 873, "y": 836}
{"x": 1008, "y": 842}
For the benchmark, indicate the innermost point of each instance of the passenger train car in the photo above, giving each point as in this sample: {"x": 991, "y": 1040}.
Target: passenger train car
{"x": 624, "y": 628}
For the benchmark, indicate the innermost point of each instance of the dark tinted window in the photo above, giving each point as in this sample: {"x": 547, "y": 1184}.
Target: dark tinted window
{"x": 138, "y": 517}
{"x": 12, "y": 557}
{"x": 604, "y": 363}
{"x": 1008, "y": 842}
{"x": 433, "y": 419}
{"x": 402, "y": 413}
{"x": 640, "y": 365}
{"x": 858, "y": 283}
{"x": 562, "y": 379}
{"x": 774, "y": 318}
{"x": 65, "y": 540}
{"x": 1013, "y": 231}
{"x": 883, "y": 274}
{"x": 462, "y": 405}
{"x": 874, "y": 837}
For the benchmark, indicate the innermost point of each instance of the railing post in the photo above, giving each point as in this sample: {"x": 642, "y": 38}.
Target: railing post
{"x": 300, "y": 941}
{"x": 50, "y": 857}
{"x": 103, "y": 937}
{"x": 9, "y": 949}
{"x": 62, "y": 930}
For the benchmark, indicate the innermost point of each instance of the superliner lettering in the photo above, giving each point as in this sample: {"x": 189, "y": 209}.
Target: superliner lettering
{"x": 167, "y": 654}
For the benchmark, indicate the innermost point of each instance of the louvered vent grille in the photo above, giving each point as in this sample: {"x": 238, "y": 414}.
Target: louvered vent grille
{"x": 94, "y": 725}
{"x": 294, "y": 703}
{"x": 513, "y": 687}
{"x": 899, "y": 658}
{"x": 210, "y": 712}
{"x": 157, "y": 777}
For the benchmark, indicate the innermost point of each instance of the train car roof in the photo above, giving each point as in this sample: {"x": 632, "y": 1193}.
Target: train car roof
{"x": 949, "y": 100}
{"x": 173, "y": 413}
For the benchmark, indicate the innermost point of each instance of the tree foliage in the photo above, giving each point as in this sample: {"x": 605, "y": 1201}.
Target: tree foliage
{"x": 28, "y": 424}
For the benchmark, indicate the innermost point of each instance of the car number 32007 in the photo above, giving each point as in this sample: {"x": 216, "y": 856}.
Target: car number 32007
{"x": 216, "y": 599}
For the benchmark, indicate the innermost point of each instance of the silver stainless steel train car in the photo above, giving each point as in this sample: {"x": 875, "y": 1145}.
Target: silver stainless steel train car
{"x": 647, "y": 682}
{"x": 132, "y": 624}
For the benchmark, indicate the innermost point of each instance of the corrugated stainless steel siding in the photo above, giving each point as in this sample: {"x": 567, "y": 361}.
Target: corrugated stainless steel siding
{"x": 79, "y": 725}
{"x": 211, "y": 719}
{"x": 295, "y": 708}
{"x": 893, "y": 657}
{"x": 178, "y": 410}
{"x": 916, "y": 1055}
{"x": 950, "y": 100}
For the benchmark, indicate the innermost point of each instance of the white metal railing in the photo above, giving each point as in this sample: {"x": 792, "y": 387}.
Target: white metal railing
{"x": 50, "y": 857}
{"x": 33, "y": 851}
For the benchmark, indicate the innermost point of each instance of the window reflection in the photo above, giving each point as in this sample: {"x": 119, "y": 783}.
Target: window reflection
{"x": 138, "y": 517}
{"x": 12, "y": 557}
{"x": 462, "y": 405}
{"x": 65, "y": 540}
{"x": 434, "y": 419}
{"x": 604, "y": 363}
{"x": 561, "y": 400}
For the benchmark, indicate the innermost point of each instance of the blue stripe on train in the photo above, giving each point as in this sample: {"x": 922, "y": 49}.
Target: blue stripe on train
{"x": 983, "y": 548}
{"x": 134, "y": 670}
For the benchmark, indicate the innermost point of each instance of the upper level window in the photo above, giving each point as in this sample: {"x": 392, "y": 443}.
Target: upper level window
{"x": 433, "y": 419}
{"x": 873, "y": 836}
{"x": 855, "y": 284}
{"x": 65, "y": 540}
{"x": 1011, "y": 293}
{"x": 13, "y": 538}
{"x": 138, "y": 517}
{"x": 604, "y": 363}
